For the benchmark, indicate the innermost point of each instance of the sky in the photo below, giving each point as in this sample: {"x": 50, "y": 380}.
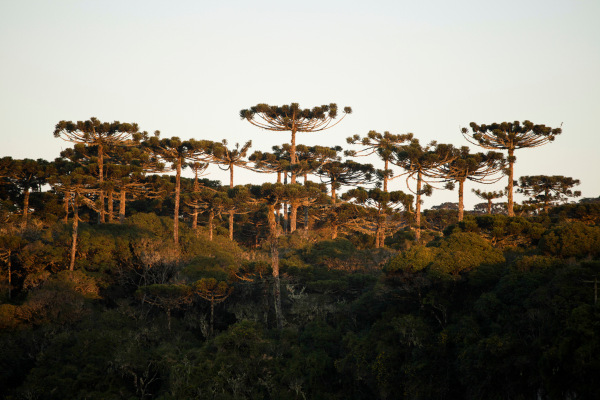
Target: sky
{"x": 186, "y": 68}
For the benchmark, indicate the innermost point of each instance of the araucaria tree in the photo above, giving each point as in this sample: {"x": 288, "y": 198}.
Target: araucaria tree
{"x": 294, "y": 119}
{"x": 102, "y": 136}
{"x": 382, "y": 144}
{"x": 510, "y": 136}
{"x": 420, "y": 164}
{"x": 479, "y": 167}
{"x": 488, "y": 197}
{"x": 547, "y": 190}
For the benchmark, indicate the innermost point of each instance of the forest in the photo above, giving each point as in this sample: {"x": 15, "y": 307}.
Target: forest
{"x": 123, "y": 279}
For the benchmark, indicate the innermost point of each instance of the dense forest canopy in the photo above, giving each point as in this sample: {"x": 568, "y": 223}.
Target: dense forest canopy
{"x": 122, "y": 278}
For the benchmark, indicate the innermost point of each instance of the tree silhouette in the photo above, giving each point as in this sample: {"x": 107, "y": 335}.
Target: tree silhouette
{"x": 510, "y": 136}
{"x": 214, "y": 292}
{"x": 546, "y": 190}
{"x": 351, "y": 173}
{"x": 294, "y": 119}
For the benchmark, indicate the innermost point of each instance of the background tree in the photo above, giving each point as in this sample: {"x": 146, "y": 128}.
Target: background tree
{"x": 166, "y": 296}
{"x": 488, "y": 197}
{"x": 214, "y": 292}
{"x": 26, "y": 175}
{"x": 10, "y": 243}
{"x": 420, "y": 164}
{"x": 479, "y": 167}
{"x": 510, "y": 136}
{"x": 178, "y": 153}
{"x": 547, "y": 190}
{"x": 379, "y": 205}
{"x": 102, "y": 136}
{"x": 294, "y": 119}
{"x": 227, "y": 159}
{"x": 351, "y": 173}
{"x": 381, "y": 144}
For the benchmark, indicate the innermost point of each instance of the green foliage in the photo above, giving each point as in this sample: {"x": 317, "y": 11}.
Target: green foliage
{"x": 414, "y": 259}
{"x": 461, "y": 252}
{"x": 572, "y": 240}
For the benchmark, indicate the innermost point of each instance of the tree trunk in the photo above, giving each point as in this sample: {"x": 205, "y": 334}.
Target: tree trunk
{"x": 122, "y": 200}
{"x": 461, "y": 203}
{"x": 334, "y": 230}
{"x": 109, "y": 199}
{"x": 25, "y": 207}
{"x": 75, "y": 229}
{"x": 377, "y": 237}
{"x": 418, "y": 209}
{"x": 274, "y": 239}
{"x": 177, "y": 194}
{"x": 489, "y": 206}
{"x": 293, "y": 215}
{"x": 385, "y": 177}
{"x": 293, "y": 159}
{"x": 333, "y": 196}
{"x": 230, "y": 224}
{"x": 212, "y": 315}
{"x": 9, "y": 274}
{"x": 66, "y": 206}
{"x": 511, "y": 163}
{"x": 101, "y": 180}
{"x": 305, "y": 218}
{"x": 211, "y": 217}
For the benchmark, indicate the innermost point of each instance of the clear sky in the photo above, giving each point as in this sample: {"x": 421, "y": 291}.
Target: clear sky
{"x": 186, "y": 68}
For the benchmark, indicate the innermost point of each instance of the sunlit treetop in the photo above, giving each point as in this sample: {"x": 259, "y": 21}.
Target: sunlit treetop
{"x": 94, "y": 132}
{"x": 510, "y": 135}
{"x": 293, "y": 118}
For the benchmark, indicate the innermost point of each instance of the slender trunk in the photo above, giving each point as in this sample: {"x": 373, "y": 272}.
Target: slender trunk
{"x": 285, "y": 209}
{"x": 461, "y": 204}
{"x": 9, "y": 275}
{"x": 385, "y": 177}
{"x": 511, "y": 163}
{"x": 305, "y": 178}
{"x": 66, "y": 206}
{"x": 293, "y": 159}
{"x": 109, "y": 199}
{"x": 489, "y": 206}
{"x": 195, "y": 220}
{"x": 293, "y": 215}
{"x": 230, "y": 224}
{"x": 101, "y": 180}
{"x": 274, "y": 239}
{"x": 377, "y": 237}
{"x": 122, "y": 200}
{"x": 334, "y": 230}
{"x": 25, "y": 206}
{"x": 75, "y": 229}
{"x": 212, "y": 315}
{"x": 177, "y": 194}
{"x": 418, "y": 209}
{"x": 195, "y": 203}
{"x": 211, "y": 217}
{"x": 333, "y": 196}
{"x": 305, "y": 218}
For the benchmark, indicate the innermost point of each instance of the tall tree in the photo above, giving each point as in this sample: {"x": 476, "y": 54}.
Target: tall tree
{"x": 27, "y": 175}
{"x": 101, "y": 136}
{"x": 478, "y": 167}
{"x": 546, "y": 190}
{"x": 351, "y": 173}
{"x": 179, "y": 154}
{"x": 381, "y": 144}
{"x": 214, "y": 292}
{"x": 488, "y": 197}
{"x": 510, "y": 136}
{"x": 420, "y": 163}
{"x": 294, "y": 119}
{"x": 378, "y": 206}
{"x": 227, "y": 159}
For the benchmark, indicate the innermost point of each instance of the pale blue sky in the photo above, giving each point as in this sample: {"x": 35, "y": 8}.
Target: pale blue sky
{"x": 186, "y": 68}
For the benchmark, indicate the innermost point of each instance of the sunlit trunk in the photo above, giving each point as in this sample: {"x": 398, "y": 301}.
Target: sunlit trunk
{"x": 461, "y": 204}
{"x": 511, "y": 163}
{"x": 75, "y": 229}
{"x": 25, "y": 206}
{"x": 211, "y": 217}
{"x": 109, "y": 197}
{"x": 101, "y": 180}
{"x": 274, "y": 242}
{"x": 418, "y": 209}
{"x": 177, "y": 194}
{"x": 122, "y": 200}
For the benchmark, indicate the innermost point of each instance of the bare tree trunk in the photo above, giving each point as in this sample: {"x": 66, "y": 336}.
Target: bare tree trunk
{"x": 293, "y": 159}
{"x": 101, "y": 180}
{"x": 293, "y": 215}
{"x": 25, "y": 207}
{"x": 9, "y": 274}
{"x": 511, "y": 163}
{"x": 177, "y": 194}
{"x": 211, "y": 217}
{"x": 461, "y": 203}
{"x": 230, "y": 224}
{"x": 109, "y": 199}
{"x": 75, "y": 229}
{"x": 489, "y": 206}
{"x": 274, "y": 239}
{"x": 66, "y": 206}
{"x": 305, "y": 218}
{"x": 418, "y": 209}
{"x": 122, "y": 200}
